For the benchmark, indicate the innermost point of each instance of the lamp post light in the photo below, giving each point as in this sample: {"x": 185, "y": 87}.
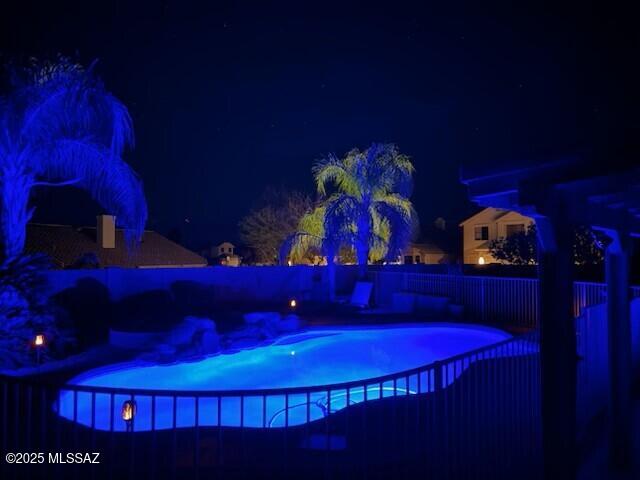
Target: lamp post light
{"x": 38, "y": 343}
{"x": 128, "y": 412}
{"x": 293, "y": 304}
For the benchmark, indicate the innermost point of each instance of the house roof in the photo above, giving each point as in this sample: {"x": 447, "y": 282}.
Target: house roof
{"x": 66, "y": 244}
{"x": 601, "y": 189}
{"x": 513, "y": 215}
{"x": 427, "y": 247}
{"x": 498, "y": 213}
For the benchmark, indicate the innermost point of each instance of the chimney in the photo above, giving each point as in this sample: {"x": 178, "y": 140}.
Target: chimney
{"x": 106, "y": 232}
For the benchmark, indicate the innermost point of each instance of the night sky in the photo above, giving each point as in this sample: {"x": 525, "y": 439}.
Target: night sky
{"x": 230, "y": 97}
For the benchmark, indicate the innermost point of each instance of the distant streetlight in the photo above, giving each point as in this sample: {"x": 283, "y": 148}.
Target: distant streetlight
{"x": 293, "y": 304}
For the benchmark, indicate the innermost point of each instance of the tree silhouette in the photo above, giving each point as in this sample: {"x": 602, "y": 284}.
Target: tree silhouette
{"x": 59, "y": 126}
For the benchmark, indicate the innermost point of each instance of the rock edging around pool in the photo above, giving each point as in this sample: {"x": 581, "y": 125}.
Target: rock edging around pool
{"x": 196, "y": 337}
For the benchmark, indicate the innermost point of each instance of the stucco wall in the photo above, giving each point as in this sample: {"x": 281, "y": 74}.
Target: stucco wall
{"x": 250, "y": 283}
{"x": 497, "y": 222}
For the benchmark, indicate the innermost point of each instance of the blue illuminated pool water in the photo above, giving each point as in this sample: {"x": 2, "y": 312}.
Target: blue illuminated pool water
{"x": 309, "y": 359}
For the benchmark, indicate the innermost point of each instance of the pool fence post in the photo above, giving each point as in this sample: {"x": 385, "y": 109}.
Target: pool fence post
{"x": 439, "y": 418}
{"x": 483, "y": 312}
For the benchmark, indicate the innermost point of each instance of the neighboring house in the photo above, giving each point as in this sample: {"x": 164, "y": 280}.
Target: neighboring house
{"x": 225, "y": 253}
{"x": 105, "y": 246}
{"x": 427, "y": 253}
{"x": 436, "y": 245}
{"x": 225, "y": 248}
{"x": 487, "y": 225}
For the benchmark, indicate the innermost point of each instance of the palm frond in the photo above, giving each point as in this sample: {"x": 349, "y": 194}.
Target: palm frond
{"x": 61, "y": 125}
{"x": 332, "y": 170}
{"x": 402, "y": 221}
{"x": 106, "y": 177}
{"x": 339, "y": 220}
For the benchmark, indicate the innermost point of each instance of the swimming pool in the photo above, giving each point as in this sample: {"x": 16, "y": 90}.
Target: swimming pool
{"x": 241, "y": 388}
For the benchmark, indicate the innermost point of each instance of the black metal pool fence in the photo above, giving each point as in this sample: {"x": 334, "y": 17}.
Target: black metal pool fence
{"x": 475, "y": 415}
{"x": 497, "y": 301}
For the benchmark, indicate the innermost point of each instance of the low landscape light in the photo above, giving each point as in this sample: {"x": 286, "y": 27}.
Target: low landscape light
{"x": 128, "y": 412}
{"x": 38, "y": 343}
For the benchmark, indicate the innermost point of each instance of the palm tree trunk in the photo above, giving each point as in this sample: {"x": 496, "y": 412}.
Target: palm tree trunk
{"x": 362, "y": 256}
{"x": 331, "y": 272}
{"x": 362, "y": 243}
{"x": 14, "y": 211}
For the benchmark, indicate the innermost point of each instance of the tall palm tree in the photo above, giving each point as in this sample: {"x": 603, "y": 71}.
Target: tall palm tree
{"x": 59, "y": 126}
{"x": 370, "y": 198}
{"x": 311, "y": 236}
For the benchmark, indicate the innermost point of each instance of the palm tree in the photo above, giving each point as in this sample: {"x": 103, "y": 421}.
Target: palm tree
{"x": 59, "y": 126}
{"x": 311, "y": 236}
{"x": 370, "y": 199}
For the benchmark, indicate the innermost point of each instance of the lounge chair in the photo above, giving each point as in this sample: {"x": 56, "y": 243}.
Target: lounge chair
{"x": 361, "y": 296}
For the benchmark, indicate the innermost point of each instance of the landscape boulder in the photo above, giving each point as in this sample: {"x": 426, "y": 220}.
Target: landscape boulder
{"x": 290, "y": 323}
{"x": 209, "y": 342}
{"x": 181, "y": 335}
{"x": 190, "y": 331}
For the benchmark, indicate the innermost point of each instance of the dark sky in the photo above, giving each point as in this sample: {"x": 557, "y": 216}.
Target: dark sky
{"x": 230, "y": 97}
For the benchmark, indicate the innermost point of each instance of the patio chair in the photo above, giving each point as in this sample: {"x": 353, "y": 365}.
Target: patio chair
{"x": 361, "y": 296}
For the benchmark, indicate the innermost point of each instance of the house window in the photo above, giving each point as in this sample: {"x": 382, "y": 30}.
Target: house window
{"x": 408, "y": 259}
{"x": 418, "y": 259}
{"x": 515, "y": 229}
{"x": 481, "y": 233}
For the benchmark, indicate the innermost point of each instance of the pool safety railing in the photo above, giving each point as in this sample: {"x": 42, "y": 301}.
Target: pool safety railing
{"x": 495, "y": 301}
{"x": 474, "y": 415}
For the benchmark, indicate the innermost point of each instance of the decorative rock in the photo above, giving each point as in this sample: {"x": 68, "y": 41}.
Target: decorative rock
{"x": 162, "y": 353}
{"x": 290, "y": 323}
{"x": 200, "y": 323}
{"x": 271, "y": 327}
{"x": 254, "y": 318}
{"x": 165, "y": 349}
{"x": 244, "y": 342}
{"x": 184, "y": 334}
{"x": 181, "y": 334}
{"x": 246, "y": 332}
{"x": 261, "y": 318}
{"x": 209, "y": 342}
